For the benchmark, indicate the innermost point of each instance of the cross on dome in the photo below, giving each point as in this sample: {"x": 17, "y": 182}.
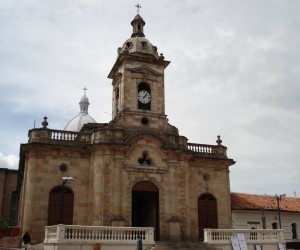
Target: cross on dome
{"x": 138, "y": 6}
{"x": 85, "y": 89}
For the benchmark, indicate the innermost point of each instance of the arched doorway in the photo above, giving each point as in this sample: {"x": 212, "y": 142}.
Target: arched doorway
{"x": 207, "y": 213}
{"x": 54, "y": 207}
{"x": 145, "y": 206}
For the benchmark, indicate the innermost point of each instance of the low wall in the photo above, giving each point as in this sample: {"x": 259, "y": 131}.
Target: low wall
{"x": 251, "y": 239}
{"x": 73, "y": 237}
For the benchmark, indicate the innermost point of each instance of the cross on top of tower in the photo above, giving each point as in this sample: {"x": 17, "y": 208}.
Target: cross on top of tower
{"x": 138, "y": 6}
{"x": 85, "y": 89}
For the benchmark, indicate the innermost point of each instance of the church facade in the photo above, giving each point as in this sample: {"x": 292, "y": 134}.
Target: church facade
{"x": 136, "y": 170}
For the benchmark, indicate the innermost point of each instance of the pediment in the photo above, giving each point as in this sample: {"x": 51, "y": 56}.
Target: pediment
{"x": 145, "y": 71}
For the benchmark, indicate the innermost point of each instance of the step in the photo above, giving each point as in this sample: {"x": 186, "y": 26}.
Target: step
{"x": 182, "y": 245}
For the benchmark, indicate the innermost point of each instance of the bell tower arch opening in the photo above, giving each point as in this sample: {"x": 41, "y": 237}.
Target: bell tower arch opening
{"x": 145, "y": 206}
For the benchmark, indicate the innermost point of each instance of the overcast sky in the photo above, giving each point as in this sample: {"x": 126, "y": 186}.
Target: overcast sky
{"x": 234, "y": 72}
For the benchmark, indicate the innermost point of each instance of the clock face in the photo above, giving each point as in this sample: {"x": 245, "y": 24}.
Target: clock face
{"x": 144, "y": 96}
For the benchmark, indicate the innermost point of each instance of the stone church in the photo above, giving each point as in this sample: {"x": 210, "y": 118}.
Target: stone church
{"x": 134, "y": 171}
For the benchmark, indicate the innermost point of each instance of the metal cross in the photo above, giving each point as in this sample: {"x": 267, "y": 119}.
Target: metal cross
{"x": 85, "y": 89}
{"x": 138, "y": 7}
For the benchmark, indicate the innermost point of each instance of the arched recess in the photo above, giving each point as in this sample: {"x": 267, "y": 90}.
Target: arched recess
{"x": 55, "y": 206}
{"x": 145, "y": 206}
{"x": 207, "y": 213}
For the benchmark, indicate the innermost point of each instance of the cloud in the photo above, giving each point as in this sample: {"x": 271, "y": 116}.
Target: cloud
{"x": 234, "y": 71}
{"x": 9, "y": 161}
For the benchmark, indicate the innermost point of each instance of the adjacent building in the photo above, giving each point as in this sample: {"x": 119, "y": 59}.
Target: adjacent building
{"x": 8, "y": 195}
{"x": 267, "y": 212}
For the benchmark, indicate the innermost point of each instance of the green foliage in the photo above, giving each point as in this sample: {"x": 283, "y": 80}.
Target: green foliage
{"x": 4, "y": 225}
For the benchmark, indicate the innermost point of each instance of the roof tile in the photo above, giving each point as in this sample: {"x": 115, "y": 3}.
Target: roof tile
{"x": 241, "y": 201}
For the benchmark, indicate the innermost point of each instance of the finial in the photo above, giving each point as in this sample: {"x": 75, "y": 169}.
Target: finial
{"x": 138, "y": 6}
{"x": 85, "y": 89}
{"x": 219, "y": 141}
{"x": 45, "y": 123}
{"x": 161, "y": 56}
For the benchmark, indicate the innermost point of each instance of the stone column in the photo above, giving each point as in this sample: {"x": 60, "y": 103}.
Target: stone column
{"x": 117, "y": 218}
{"x": 97, "y": 198}
{"x": 173, "y": 195}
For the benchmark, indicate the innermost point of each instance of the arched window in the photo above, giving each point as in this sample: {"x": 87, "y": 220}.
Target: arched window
{"x": 274, "y": 225}
{"x": 55, "y": 206}
{"x": 207, "y": 213}
{"x": 13, "y": 214}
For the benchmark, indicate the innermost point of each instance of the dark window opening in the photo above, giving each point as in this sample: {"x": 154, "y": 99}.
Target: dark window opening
{"x": 294, "y": 231}
{"x": 145, "y": 159}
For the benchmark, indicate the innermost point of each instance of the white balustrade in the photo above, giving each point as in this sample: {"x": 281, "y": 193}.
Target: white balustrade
{"x": 222, "y": 236}
{"x": 202, "y": 148}
{"x": 61, "y": 135}
{"x": 102, "y": 234}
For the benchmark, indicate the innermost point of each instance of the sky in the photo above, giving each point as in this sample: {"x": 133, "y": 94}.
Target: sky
{"x": 234, "y": 72}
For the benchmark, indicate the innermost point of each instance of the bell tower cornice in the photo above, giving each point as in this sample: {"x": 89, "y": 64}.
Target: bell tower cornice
{"x": 127, "y": 58}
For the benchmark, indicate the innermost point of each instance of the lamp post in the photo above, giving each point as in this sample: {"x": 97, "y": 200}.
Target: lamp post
{"x": 278, "y": 198}
{"x": 64, "y": 181}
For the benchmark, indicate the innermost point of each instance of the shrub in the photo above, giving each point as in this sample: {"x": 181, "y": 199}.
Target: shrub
{"x": 4, "y": 225}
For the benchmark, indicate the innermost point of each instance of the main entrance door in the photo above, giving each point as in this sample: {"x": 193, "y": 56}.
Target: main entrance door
{"x": 207, "y": 213}
{"x": 145, "y": 206}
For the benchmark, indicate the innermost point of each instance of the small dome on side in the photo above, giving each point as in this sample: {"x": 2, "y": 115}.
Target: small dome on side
{"x": 76, "y": 123}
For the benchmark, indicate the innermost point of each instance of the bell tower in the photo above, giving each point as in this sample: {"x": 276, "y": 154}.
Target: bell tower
{"x": 138, "y": 83}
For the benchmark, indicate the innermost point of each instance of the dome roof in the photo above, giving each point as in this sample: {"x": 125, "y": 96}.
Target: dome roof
{"x": 76, "y": 123}
{"x": 138, "y": 43}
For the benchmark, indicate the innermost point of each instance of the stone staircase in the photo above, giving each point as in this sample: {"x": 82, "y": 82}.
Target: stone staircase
{"x": 182, "y": 245}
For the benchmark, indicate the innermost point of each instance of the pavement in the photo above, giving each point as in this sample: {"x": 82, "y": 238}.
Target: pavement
{"x": 35, "y": 247}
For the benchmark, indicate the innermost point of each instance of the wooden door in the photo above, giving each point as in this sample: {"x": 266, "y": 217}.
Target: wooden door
{"x": 54, "y": 207}
{"x": 207, "y": 213}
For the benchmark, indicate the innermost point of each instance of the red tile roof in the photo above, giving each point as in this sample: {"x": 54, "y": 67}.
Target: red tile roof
{"x": 240, "y": 201}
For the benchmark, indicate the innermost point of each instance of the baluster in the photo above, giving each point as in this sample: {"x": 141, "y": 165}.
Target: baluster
{"x": 68, "y": 232}
{"x": 71, "y": 233}
{"x": 101, "y": 234}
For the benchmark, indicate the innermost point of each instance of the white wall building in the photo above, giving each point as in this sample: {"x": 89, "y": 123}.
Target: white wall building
{"x": 266, "y": 212}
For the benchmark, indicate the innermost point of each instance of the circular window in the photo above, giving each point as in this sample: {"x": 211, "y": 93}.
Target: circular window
{"x": 129, "y": 45}
{"x": 145, "y": 121}
{"x": 206, "y": 177}
{"x": 63, "y": 167}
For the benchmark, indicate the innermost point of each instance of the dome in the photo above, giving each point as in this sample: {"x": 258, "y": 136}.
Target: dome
{"x": 76, "y": 123}
{"x": 138, "y": 43}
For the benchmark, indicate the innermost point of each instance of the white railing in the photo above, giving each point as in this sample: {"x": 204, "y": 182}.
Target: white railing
{"x": 207, "y": 150}
{"x": 100, "y": 234}
{"x": 61, "y": 135}
{"x": 222, "y": 236}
